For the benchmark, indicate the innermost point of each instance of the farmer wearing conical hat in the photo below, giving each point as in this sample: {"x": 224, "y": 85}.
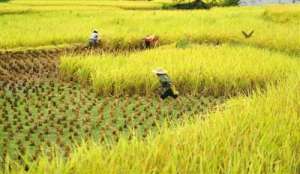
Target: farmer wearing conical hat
{"x": 168, "y": 89}
{"x": 94, "y": 39}
{"x": 151, "y": 41}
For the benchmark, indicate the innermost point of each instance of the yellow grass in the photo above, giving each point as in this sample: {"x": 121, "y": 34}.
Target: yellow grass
{"x": 121, "y": 28}
{"x": 205, "y": 69}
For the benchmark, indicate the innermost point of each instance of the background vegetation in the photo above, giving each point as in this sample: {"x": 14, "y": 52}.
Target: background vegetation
{"x": 122, "y": 28}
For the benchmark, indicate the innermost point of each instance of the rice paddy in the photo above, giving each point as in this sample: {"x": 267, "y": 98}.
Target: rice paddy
{"x": 123, "y": 28}
{"x": 223, "y": 70}
{"x": 40, "y": 114}
{"x": 70, "y": 110}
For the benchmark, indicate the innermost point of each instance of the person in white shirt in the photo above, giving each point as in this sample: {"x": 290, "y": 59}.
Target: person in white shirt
{"x": 94, "y": 39}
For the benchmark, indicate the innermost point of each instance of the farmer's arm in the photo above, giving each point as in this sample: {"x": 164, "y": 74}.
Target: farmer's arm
{"x": 165, "y": 80}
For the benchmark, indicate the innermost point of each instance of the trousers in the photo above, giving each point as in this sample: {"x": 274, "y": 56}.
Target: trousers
{"x": 93, "y": 43}
{"x": 168, "y": 93}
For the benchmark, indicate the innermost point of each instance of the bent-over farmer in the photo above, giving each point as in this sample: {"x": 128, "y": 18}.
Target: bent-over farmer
{"x": 151, "y": 41}
{"x": 94, "y": 39}
{"x": 168, "y": 89}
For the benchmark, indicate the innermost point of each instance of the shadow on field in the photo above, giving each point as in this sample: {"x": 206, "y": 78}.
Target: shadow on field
{"x": 198, "y": 4}
{"x": 18, "y": 12}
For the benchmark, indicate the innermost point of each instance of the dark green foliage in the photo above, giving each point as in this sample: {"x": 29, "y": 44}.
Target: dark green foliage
{"x": 197, "y": 4}
{"x": 231, "y": 2}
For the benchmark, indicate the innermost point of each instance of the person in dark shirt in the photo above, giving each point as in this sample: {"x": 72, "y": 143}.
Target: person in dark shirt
{"x": 151, "y": 41}
{"x": 168, "y": 89}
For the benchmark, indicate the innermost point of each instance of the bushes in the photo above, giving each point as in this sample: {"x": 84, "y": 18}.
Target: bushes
{"x": 199, "y": 4}
{"x": 221, "y": 3}
{"x": 230, "y": 3}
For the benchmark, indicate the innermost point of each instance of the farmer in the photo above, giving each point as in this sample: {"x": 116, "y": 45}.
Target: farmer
{"x": 168, "y": 89}
{"x": 94, "y": 39}
{"x": 151, "y": 41}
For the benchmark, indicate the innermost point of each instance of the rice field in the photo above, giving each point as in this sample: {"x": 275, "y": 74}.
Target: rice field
{"x": 123, "y": 28}
{"x": 224, "y": 70}
{"x": 248, "y": 136}
{"x": 70, "y": 110}
{"x": 40, "y": 111}
{"x": 45, "y": 114}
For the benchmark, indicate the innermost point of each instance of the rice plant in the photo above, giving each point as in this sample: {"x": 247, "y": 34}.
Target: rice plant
{"x": 125, "y": 29}
{"x": 219, "y": 71}
{"x": 29, "y": 118}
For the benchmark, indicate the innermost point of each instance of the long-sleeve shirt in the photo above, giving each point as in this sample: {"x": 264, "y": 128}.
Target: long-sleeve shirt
{"x": 165, "y": 80}
{"x": 94, "y": 36}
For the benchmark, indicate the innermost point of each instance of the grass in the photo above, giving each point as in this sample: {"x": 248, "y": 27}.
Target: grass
{"x": 123, "y": 27}
{"x": 289, "y": 14}
{"x": 220, "y": 71}
{"x": 248, "y": 136}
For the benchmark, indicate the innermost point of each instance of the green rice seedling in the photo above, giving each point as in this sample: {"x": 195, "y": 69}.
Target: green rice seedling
{"x": 48, "y": 143}
{"x": 114, "y": 121}
{"x": 32, "y": 143}
{"x": 22, "y": 149}
{"x": 71, "y": 138}
{"x": 27, "y": 137}
{"x": 67, "y": 151}
{"x": 181, "y": 141}
{"x": 75, "y": 134}
{"x": 77, "y": 126}
{"x": 38, "y": 121}
{"x": 46, "y": 130}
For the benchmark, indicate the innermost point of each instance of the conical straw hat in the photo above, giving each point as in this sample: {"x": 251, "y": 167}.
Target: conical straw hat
{"x": 159, "y": 71}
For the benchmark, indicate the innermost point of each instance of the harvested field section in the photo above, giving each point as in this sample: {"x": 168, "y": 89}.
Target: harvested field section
{"x": 26, "y": 69}
{"x": 40, "y": 115}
